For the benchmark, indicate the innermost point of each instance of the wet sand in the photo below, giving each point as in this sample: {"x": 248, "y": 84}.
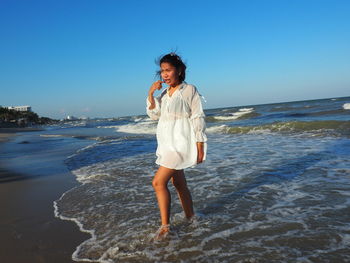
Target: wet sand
{"x": 5, "y": 136}
{"x": 30, "y": 233}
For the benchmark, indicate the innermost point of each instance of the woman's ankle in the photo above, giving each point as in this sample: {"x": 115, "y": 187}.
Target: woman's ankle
{"x": 165, "y": 226}
{"x": 190, "y": 216}
{"x": 162, "y": 232}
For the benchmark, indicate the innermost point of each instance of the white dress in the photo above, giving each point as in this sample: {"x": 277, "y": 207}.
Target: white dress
{"x": 181, "y": 124}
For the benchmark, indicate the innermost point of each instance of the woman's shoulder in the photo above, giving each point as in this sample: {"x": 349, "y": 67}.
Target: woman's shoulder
{"x": 189, "y": 89}
{"x": 189, "y": 86}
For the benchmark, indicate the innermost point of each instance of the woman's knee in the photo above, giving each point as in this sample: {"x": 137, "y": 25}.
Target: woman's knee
{"x": 162, "y": 177}
{"x": 158, "y": 184}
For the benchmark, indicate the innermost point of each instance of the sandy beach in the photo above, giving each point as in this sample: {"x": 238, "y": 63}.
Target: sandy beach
{"x": 30, "y": 233}
{"x": 5, "y": 136}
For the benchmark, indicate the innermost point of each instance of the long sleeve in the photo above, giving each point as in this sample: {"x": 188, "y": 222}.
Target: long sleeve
{"x": 154, "y": 114}
{"x": 180, "y": 128}
{"x": 197, "y": 117}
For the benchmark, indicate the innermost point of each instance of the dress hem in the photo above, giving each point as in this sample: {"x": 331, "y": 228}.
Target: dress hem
{"x": 178, "y": 169}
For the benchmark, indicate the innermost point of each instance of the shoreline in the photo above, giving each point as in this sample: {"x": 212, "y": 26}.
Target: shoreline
{"x": 18, "y": 129}
{"x": 4, "y": 137}
{"x": 30, "y": 232}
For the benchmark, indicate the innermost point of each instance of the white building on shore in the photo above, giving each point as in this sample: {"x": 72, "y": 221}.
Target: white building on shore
{"x": 71, "y": 118}
{"x": 20, "y": 108}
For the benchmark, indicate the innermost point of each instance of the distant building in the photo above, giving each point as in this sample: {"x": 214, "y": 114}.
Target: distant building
{"x": 20, "y": 108}
{"x": 71, "y": 118}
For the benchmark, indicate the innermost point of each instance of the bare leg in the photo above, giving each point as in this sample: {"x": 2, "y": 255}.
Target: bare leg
{"x": 179, "y": 181}
{"x": 160, "y": 182}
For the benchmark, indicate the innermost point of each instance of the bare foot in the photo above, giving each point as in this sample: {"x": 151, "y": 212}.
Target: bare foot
{"x": 162, "y": 232}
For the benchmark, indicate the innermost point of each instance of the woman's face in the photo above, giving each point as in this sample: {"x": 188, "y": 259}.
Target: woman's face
{"x": 169, "y": 74}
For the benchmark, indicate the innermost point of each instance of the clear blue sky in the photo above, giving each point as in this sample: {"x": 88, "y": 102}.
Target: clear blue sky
{"x": 96, "y": 58}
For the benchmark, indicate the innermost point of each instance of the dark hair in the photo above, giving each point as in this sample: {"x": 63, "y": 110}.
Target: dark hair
{"x": 174, "y": 60}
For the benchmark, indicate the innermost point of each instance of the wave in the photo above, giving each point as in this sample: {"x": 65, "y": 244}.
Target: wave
{"x": 330, "y": 127}
{"x": 251, "y": 178}
{"x": 138, "y": 126}
{"x": 51, "y": 135}
{"x": 346, "y": 106}
{"x": 319, "y": 113}
{"x": 281, "y": 108}
{"x": 244, "y": 113}
{"x": 76, "y": 136}
{"x": 291, "y": 108}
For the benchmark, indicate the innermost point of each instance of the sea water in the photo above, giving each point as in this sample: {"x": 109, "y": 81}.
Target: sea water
{"x": 275, "y": 187}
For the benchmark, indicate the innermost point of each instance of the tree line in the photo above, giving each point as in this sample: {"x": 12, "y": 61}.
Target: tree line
{"x": 10, "y": 117}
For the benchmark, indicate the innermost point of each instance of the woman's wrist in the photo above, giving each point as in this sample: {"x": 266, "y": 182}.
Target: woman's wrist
{"x": 200, "y": 145}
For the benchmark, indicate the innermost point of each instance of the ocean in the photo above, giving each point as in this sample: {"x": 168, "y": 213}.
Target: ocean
{"x": 275, "y": 186}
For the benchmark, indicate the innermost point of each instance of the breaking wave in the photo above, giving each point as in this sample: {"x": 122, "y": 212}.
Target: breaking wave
{"x": 138, "y": 126}
{"x": 330, "y": 127}
{"x": 244, "y": 113}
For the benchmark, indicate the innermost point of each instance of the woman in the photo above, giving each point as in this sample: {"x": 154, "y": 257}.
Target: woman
{"x": 180, "y": 135}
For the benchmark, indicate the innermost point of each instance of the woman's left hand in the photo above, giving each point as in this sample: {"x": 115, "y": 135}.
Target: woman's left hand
{"x": 200, "y": 152}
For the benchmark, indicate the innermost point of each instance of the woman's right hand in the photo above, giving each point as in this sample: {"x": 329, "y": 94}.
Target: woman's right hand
{"x": 155, "y": 86}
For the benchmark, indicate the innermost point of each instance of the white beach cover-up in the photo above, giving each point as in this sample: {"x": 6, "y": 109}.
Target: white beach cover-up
{"x": 181, "y": 124}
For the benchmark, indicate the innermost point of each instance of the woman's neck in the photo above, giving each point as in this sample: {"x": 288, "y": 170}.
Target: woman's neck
{"x": 174, "y": 87}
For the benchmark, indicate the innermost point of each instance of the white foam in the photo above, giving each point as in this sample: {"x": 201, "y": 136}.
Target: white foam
{"x": 247, "y": 109}
{"x": 224, "y": 129}
{"x": 107, "y": 127}
{"x": 140, "y": 126}
{"x": 259, "y": 131}
{"x": 138, "y": 119}
{"x": 216, "y": 129}
{"x": 346, "y": 106}
{"x": 77, "y": 123}
{"x": 235, "y": 115}
{"x": 82, "y": 149}
{"x": 51, "y": 135}
{"x": 79, "y": 224}
{"x": 240, "y": 204}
